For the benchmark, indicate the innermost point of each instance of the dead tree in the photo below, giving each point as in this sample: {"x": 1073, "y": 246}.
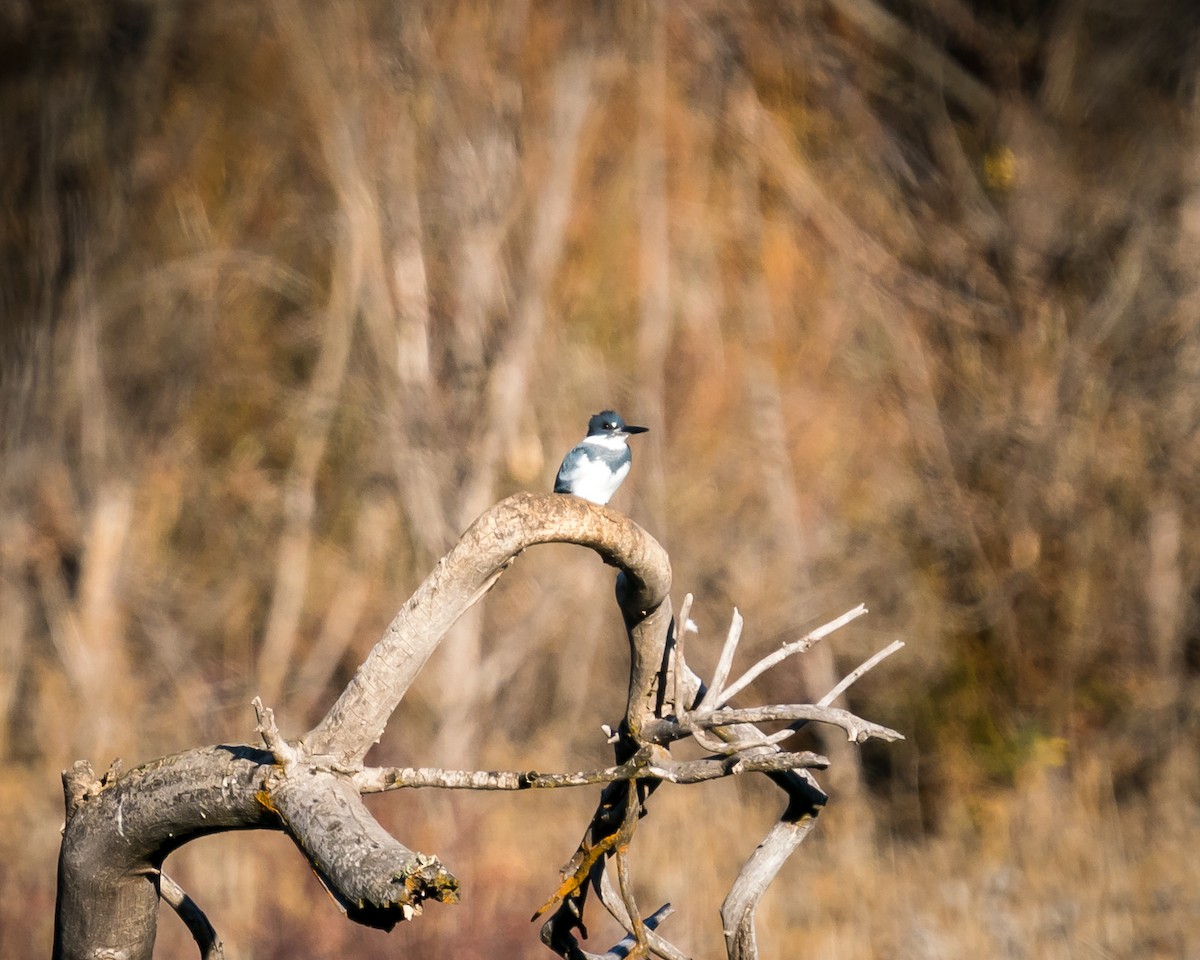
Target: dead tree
{"x": 121, "y": 827}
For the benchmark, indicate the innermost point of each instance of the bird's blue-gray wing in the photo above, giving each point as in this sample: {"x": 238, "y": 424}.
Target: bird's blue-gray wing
{"x": 573, "y": 466}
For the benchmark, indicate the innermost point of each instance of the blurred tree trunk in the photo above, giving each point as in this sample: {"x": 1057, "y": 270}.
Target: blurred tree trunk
{"x": 772, "y": 460}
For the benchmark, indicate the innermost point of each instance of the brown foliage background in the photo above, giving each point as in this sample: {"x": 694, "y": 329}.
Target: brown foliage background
{"x": 291, "y": 291}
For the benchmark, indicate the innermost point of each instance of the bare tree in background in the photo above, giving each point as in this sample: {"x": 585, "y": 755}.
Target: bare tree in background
{"x": 121, "y": 827}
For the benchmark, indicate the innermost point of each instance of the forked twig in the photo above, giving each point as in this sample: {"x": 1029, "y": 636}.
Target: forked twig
{"x": 788, "y": 649}
{"x": 857, "y": 729}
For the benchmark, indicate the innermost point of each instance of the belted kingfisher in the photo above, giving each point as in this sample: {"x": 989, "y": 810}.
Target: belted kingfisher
{"x": 595, "y": 468}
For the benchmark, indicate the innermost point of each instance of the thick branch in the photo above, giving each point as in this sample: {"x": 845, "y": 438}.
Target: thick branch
{"x": 118, "y": 834}
{"x": 737, "y": 912}
{"x": 375, "y": 878}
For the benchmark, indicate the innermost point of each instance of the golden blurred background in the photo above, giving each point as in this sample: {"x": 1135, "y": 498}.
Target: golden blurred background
{"x": 907, "y": 291}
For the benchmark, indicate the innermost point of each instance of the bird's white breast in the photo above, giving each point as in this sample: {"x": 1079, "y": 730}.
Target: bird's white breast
{"x": 593, "y": 480}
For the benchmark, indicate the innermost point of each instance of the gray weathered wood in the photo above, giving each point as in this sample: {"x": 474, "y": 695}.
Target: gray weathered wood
{"x": 120, "y": 829}
{"x": 117, "y": 835}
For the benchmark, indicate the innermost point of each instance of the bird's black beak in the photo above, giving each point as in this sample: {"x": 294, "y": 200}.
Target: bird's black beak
{"x": 629, "y": 429}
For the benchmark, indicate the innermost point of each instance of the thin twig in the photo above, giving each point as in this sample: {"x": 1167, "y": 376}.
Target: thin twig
{"x": 193, "y": 918}
{"x": 724, "y": 665}
{"x": 703, "y": 737}
{"x": 858, "y": 729}
{"x": 787, "y": 650}
{"x": 740, "y": 746}
{"x": 612, "y": 902}
{"x": 382, "y": 779}
{"x": 681, "y": 629}
{"x": 626, "y": 887}
{"x": 698, "y": 771}
{"x": 624, "y": 881}
{"x": 858, "y": 671}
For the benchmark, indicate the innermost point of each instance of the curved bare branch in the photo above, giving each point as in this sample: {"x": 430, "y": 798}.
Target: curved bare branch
{"x": 358, "y": 718}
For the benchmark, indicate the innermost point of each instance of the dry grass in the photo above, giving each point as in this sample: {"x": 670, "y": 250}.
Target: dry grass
{"x": 291, "y": 291}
